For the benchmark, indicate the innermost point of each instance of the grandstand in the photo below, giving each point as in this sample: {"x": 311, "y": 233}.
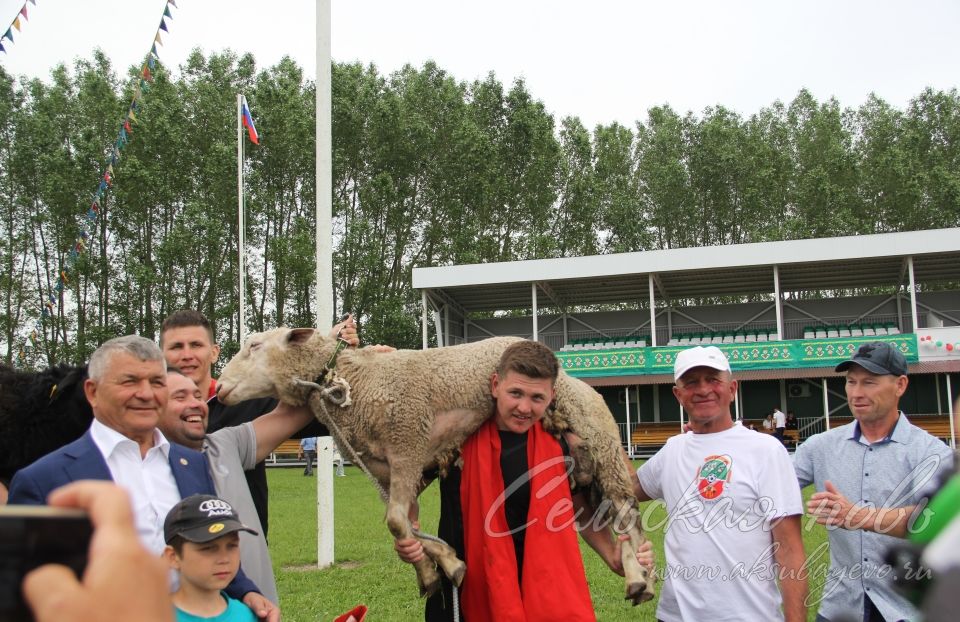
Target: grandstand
{"x": 785, "y": 313}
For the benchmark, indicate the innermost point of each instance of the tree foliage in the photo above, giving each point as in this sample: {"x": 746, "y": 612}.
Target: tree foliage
{"x": 427, "y": 170}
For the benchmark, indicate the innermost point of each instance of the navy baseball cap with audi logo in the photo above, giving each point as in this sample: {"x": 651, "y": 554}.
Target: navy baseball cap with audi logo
{"x": 202, "y": 518}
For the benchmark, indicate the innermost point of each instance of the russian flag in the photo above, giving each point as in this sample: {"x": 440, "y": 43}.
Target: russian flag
{"x": 248, "y": 122}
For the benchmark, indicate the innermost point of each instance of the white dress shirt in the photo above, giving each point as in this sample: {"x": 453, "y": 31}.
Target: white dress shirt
{"x": 148, "y": 480}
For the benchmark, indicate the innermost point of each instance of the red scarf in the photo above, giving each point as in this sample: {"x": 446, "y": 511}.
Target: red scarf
{"x": 554, "y": 584}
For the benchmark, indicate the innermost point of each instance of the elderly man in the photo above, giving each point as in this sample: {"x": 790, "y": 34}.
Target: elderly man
{"x": 887, "y": 467}
{"x": 127, "y": 390}
{"x": 734, "y": 507}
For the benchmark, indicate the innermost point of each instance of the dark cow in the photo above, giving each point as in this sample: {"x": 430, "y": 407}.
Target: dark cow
{"x": 39, "y": 412}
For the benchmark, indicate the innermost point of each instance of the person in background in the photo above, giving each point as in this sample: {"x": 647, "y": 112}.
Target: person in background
{"x": 338, "y": 461}
{"x": 203, "y": 546}
{"x": 779, "y": 425}
{"x": 308, "y": 451}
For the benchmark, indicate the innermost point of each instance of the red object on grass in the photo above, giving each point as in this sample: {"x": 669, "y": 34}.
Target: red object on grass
{"x": 359, "y": 613}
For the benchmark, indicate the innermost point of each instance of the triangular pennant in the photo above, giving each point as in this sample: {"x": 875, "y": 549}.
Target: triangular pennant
{"x": 126, "y": 126}
{"x": 103, "y": 186}
{"x": 166, "y": 12}
{"x": 2, "y": 49}
{"x": 123, "y": 134}
{"x": 153, "y": 50}
{"x": 23, "y": 11}
{"x": 146, "y": 73}
{"x": 163, "y": 25}
{"x": 110, "y": 171}
{"x": 16, "y": 23}
{"x": 173, "y": 2}
{"x": 157, "y": 39}
{"x": 95, "y": 205}
{"x": 34, "y": 2}
{"x": 151, "y": 61}
{"x": 8, "y": 35}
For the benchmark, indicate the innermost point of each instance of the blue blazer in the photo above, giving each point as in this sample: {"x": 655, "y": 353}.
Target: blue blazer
{"x": 81, "y": 459}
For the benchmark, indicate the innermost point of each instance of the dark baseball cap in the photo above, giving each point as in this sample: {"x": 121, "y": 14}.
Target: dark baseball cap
{"x": 202, "y": 518}
{"x": 877, "y": 357}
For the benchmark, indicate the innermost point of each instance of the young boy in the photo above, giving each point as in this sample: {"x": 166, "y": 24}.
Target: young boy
{"x": 203, "y": 545}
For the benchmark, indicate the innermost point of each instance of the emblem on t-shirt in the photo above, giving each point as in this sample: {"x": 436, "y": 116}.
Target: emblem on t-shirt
{"x": 714, "y": 473}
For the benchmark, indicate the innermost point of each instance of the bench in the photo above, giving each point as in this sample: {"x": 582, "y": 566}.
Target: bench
{"x": 286, "y": 453}
{"x": 654, "y": 434}
{"x": 791, "y": 435}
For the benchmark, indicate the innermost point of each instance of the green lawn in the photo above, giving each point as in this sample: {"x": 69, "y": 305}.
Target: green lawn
{"x": 366, "y": 569}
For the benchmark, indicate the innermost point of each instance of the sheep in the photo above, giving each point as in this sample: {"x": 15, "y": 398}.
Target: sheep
{"x": 408, "y": 411}
{"x": 39, "y": 412}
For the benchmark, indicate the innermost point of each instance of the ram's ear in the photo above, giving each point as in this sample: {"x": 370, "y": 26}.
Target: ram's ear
{"x": 299, "y": 336}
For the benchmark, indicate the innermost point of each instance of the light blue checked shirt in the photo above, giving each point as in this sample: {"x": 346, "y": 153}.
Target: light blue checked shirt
{"x": 309, "y": 443}
{"x": 900, "y": 470}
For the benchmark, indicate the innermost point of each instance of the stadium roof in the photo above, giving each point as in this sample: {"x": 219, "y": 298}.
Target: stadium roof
{"x": 814, "y": 264}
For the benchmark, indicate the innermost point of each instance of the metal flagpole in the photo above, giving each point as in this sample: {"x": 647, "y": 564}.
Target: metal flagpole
{"x": 241, "y": 226}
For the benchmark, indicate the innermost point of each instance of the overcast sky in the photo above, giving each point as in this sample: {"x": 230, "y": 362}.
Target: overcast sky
{"x": 603, "y": 60}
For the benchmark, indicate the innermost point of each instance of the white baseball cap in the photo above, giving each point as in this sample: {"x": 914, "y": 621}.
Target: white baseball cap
{"x": 699, "y": 356}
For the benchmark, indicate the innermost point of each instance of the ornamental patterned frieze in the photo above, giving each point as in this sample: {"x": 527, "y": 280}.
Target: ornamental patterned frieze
{"x": 754, "y": 355}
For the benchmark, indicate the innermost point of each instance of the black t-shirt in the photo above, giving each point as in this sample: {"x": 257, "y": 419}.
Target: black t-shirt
{"x": 223, "y": 416}
{"x": 513, "y": 465}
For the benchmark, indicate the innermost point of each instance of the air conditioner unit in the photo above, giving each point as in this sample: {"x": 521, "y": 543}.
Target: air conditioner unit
{"x": 798, "y": 389}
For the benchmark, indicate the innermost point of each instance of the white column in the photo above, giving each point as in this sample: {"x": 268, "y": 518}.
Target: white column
{"x": 656, "y": 403}
{"x": 533, "y": 297}
{"x": 626, "y": 390}
{"x": 736, "y": 404}
{"x": 324, "y": 475}
{"x": 913, "y": 295}
{"x": 779, "y": 303}
{"x": 324, "y": 170}
{"x": 953, "y": 431}
{"x": 653, "y": 313}
{"x": 939, "y": 402}
{"x": 566, "y": 337}
{"x": 826, "y": 402}
{"x": 425, "y": 316}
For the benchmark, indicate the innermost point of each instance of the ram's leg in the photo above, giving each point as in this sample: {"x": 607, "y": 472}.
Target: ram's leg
{"x": 625, "y": 520}
{"x": 446, "y": 558}
{"x": 402, "y": 488}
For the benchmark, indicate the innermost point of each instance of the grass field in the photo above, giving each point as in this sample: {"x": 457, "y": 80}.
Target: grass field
{"x": 366, "y": 569}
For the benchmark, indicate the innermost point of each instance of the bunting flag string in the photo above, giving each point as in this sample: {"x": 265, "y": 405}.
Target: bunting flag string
{"x": 16, "y": 24}
{"x": 50, "y": 307}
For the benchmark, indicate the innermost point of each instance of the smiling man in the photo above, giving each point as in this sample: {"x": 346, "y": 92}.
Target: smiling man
{"x": 230, "y": 452}
{"x": 521, "y": 568}
{"x": 127, "y": 390}
{"x": 188, "y": 343}
{"x": 734, "y": 507}
{"x": 871, "y": 475}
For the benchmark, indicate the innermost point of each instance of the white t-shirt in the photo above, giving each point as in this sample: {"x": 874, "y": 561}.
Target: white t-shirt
{"x": 779, "y": 419}
{"x": 722, "y": 491}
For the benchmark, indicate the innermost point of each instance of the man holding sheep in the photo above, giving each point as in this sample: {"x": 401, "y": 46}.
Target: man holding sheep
{"x": 509, "y": 511}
